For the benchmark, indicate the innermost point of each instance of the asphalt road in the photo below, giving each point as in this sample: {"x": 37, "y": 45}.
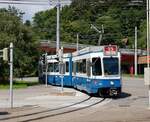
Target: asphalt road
{"x": 49, "y": 105}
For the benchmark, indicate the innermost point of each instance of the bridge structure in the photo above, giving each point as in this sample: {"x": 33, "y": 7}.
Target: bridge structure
{"x": 50, "y": 47}
{"x": 127, "y": 55}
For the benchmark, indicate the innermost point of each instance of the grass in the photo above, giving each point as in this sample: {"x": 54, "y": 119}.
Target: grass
{"x": 25, "y": 84}
{"x": 19, "y": 84}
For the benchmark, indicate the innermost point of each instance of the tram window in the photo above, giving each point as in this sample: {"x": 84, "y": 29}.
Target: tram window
{"x": 78, "y": 67}
{"x": 53, "y": 67}
{"x": 81, "y": 66}
{"x": 96, "y": 66}
{"x": 84, "y": 66}
{"x": 88, "y": 67}
{"x": 56, "y": 67}
{"x": 50, "y": 67}
{"x": 62, "y": 68}
{"x": 111, "y": 66}
{"x": 67, "y": 66}
{"x": 74, "y": 68}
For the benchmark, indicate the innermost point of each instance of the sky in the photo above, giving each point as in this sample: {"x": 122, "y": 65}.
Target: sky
{"x": 30, "y": 10}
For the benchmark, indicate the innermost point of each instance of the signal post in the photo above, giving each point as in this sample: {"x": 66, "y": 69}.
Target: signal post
{"x": 4, "y": 55}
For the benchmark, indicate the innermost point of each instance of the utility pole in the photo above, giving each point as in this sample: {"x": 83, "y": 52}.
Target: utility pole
{"x": 147, "y": 70}
{"x": 58, "y": 50}
{"x": 100, "y": 36}
{"x": 77, "y": 42}
{"x": 148, "y": 27}
{"x": 61, "y": 68}
{"x": 148, "y": 58}
{"x": 135, "y": 53}
{"x": 46, "y": 64}
{"x": 58, "y": 27}
{"x": 11, "y": 75}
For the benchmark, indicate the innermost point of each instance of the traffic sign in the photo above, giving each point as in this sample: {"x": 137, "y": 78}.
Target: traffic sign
{"x": 5, "y": 54}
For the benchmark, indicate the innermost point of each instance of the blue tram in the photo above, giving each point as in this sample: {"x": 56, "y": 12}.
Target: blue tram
{"x": 93, "y": 69}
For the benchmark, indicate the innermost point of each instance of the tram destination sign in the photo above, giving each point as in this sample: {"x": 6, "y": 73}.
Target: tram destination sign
{"x": 110, "y": 50}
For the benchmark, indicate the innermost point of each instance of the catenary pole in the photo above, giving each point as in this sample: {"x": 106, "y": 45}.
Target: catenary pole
{"x": 148, "y": 54}
{"x": 148, "y": 42}
{"x": 148, "y": 64}
{"x": 135, "y": 54}
{"x": 46, "y": 63}
{"x": 58, "y": 27}
{"x": 77, "y": 42}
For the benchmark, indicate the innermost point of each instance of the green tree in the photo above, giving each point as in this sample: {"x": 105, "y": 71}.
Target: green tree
{"x": 118, "y": 17}
{"x": 25, "y": 42}
{"x": 142, "y": 35}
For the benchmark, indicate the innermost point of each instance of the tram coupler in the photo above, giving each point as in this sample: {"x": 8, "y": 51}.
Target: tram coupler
{"x": 113, "y": 92}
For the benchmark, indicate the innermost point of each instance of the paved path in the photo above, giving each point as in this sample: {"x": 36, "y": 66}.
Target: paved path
{"x": 39, "y": 103}
{"x": 40, "y": 96}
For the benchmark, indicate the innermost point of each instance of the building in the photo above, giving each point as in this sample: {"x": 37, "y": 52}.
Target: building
{"x": 127, "y": 55}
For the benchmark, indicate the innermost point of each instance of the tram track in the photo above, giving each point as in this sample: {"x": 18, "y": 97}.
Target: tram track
{"x": 55, "y": 112}
{"x": 47, "y": 110}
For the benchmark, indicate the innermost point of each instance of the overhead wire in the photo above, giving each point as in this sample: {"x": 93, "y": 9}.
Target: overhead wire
{"x": 44, "y": 2}
{"x": 33, "y": 2}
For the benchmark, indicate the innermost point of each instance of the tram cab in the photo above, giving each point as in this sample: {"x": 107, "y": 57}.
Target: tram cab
{"x": 97, "y": 70}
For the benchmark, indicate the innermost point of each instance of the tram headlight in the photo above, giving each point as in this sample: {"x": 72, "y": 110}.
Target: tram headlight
{"x": 112, "y": 83}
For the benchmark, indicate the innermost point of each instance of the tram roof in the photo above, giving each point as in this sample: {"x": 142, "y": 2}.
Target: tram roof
{"x": 89, "y": 50}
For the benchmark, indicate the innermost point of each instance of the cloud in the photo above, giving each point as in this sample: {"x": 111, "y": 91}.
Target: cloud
{"x": 29, "y": 10}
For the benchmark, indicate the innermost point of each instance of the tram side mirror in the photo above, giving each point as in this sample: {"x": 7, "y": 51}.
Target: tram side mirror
{"x": 62, "y": 68}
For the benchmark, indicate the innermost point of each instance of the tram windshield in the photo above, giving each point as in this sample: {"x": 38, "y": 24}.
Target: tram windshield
{"x": 56, "y": 67}
{"x": 111, "y": 66}
{"x": 50, "y": 67}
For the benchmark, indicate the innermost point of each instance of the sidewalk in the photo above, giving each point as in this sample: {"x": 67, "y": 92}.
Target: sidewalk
{"x": 41, "y": 96}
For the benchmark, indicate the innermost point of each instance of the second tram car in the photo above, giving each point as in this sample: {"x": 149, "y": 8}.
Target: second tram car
{"x": 93, "y": 69}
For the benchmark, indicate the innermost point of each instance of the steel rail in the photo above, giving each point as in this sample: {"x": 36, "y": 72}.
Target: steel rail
{"x": 48, "y": 110}
{"x": 64, "y": 112}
